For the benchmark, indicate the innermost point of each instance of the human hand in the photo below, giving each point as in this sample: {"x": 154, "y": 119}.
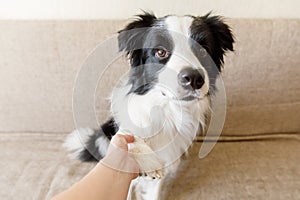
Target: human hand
{"x": 118, "y": 157}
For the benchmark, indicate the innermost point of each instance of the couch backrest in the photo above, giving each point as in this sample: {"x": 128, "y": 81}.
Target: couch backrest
{"x": 39, "y": 61}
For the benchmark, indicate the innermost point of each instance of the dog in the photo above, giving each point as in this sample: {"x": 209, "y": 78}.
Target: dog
{"x": 164, "y": 100}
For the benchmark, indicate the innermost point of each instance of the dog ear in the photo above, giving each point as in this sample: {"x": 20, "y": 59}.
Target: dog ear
{"x": 132, "y": 36}
{"x": 216, "y": 36}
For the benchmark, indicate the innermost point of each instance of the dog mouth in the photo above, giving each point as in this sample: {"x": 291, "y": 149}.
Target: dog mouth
{"x": 186, "y": 98}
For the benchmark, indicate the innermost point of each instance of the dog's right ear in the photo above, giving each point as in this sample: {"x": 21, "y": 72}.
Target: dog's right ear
{"x": 132, "y": 36}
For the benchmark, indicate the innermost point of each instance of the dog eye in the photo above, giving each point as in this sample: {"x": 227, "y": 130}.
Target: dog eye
{"x": 161, "y": 53}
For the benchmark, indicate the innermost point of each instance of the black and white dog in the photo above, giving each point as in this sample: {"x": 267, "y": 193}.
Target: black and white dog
{"x": 164, "y": 101}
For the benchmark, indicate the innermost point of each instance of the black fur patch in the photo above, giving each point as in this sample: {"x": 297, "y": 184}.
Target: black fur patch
{"x": 216, "y": 38}
{"x": 214, "y": 35}
{"x": 91, "y": 151}
{"x": 110, "y": 128}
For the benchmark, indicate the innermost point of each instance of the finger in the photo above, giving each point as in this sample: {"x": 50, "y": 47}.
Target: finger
{"x": 129, "y": 138}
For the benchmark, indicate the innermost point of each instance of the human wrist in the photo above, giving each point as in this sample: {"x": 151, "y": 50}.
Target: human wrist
{"x": 131, "y": 173}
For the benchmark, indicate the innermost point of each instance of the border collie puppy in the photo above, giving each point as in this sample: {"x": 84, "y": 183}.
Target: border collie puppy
{"x": 164, "y": 100}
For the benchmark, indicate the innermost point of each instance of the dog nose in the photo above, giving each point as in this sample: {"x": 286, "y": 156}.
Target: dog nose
{"x": 190, "y": 78}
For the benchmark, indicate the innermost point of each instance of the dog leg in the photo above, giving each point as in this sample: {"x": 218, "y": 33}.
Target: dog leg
{"x": 145, "y": 188}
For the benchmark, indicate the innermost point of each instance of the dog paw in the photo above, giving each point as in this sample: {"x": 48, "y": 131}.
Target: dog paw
{"x": 157, "y": 174}
{"x": 150, "y": 164}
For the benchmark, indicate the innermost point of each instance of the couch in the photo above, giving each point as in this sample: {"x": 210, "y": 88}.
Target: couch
{"x": 256, "y": 157}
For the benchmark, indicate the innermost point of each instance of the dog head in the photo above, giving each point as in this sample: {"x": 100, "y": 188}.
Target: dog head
{"x": 182, "y": 55}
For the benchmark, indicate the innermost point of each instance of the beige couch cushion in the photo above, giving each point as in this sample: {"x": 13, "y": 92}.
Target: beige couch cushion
{"x": 39, "y": 61}
{"x": 34, "y": 166}
{"x": 262, "y": 77}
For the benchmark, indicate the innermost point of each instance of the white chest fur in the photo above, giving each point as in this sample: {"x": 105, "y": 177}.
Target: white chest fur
{"x": 166, "y": 126}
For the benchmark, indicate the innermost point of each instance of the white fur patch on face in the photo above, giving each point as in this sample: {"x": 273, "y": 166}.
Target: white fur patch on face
{"x": 179, "y": 29}
{"x": 182, "y": 57}
{"x": 179, "y": 24}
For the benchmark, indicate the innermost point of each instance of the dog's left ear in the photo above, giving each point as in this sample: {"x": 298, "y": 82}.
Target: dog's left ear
{"x": 215, "y": 36}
